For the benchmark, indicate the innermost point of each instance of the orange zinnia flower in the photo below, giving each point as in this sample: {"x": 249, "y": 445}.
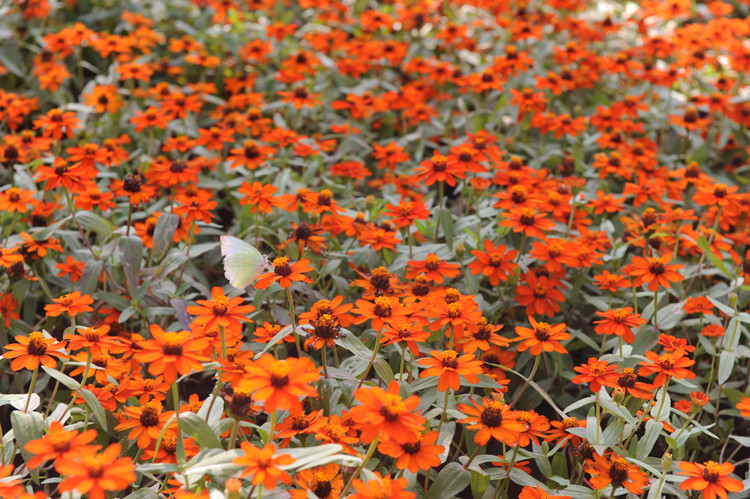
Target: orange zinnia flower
{"x": 437, "y": 169}
{"x": 530, "y": 492}
{"x": 324, "y": 482}
{"x": 628, "y": 381}
{"x": 528, "y": 221}
{"x": 386, "y": 413}
{"x": 710, "y": 478}
{"x": 220, "y": 311}
{"x": 493, "y": 419}
{"x": 617, "y": 471}
{"x": 263, "y": 465}
{"x": 170, "y": 353}
{"x": 560, "y": 434}
{"x": 433, "y": 269}
{"x": 495, "y": 262}
{"x": 145, "y": 422}
{"x": 597, "y": 373}
{"x": 383, "y": 311}
{"x": 414, "y": 456}
{"x": 32, "y": 350}
{"x": 58, "y": 444}
{"x": 540, "y": 296}
{"x": 655, "y": 271}
{"x": 669, "y": 365}
{"x": 744, "y": 407}
{"x": 382, "y": 486}
{"x": 543, "y": 336}
{"x": 284, "y": 273}
{"x": 96, "y": 473}
{"x": 72, "y": 303}
{"x": 448, "y": 365}
{"x": 619, "y": 322}
{"x": 280, "y": 383}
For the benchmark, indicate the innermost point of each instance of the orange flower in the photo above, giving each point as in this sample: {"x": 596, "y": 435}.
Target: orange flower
{"x": 32, "y": 350}
{"x": 619, "y": 322}
{"x": 654, "y": 271}
{"x": 493, "y": 419}
{"x": 669, "y": 365}
{"x": 72, "y": 303}
{"x": 15, "y": 199}
{"x": 433, "y": 268}
{"x": 58, "y": 444}
{"x": 381, "y": 487}
{"x": 263, "y": 465}
{"x": 540, "y": 295}
{"x": 448, "y": 365}
{"x": 710, "y": 478}
{"x": 220, "y": 311}
{"x": 437, "y": 169}
{"x": 8, "y": 309}
{"x": 386, "y": 414}
{"x": 133, "y": 187}
{"x": 543, "y": 336}
{"x": 96, "y": 473}
{"x": 744, "y": 407}
{"x": 530, "y": 492}
{"x": 528, "y": 221}
{"x": 71, "y": 267}
{"x": 324, "y": 482}
{"x": 145, "y": 422}
{"x": 55, "y": 121}
{"x": 483, "y": 338}
{"x": 280, "y": 383}
{"x": 495, "y": 262}
{"x": 597, "y": 373}
{"x": 559, "y": 431}
{"x": 406, "y": 213}
{"x": 698, "y": 305}
{"x": 171, "y": 353}
{"x": 617, "y": 471}
{"x": 383, "y": 311}
{"x": 414, "y": 456}
{"x": 628, "y": 382}
{"x": 535, "y": 426}
{"x": 284, "y": 273}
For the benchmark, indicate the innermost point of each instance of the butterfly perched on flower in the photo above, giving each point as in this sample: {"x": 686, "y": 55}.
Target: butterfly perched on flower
{"x": 242, "y": 262}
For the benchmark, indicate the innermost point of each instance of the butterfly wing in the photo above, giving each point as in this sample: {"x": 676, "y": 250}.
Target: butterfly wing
{"x": 242, "y": 262}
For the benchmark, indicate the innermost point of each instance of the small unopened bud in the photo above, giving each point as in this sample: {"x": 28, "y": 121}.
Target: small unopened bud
{"x": 666, "y": 461}
{"x": 545, "y": 448}
{"x": 460, "y": 251}
{"x": 369, "y": 202}
{"x": 233, "y": 488}
{"x": 618, "y": 394}
{"x": 733, "y": 300}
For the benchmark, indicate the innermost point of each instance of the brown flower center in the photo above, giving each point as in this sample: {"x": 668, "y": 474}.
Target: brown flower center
{"x": 172, "y": 344}
{"x": 382, "y": 307}
{"x": 450, "y": 359}
{"x": 281, "y": 266}
{"x": 527, "y": 217}
{"x": 431, "y": 262}
{"x": 280, "y": 374}
{"x": 541, "y": 331}
{"x": 37, "y": 344}
{"x": 392, "y": 407}
{"x": 220, "y": 305}
{"x": 150, "y": 415}
{"x": 492, "y": 415}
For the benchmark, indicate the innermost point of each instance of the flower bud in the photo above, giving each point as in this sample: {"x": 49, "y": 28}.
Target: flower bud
{"x": 370, "y": 202}
{"x": 233, "y": 487}
{"x": 460, "y": 251}
{"x": 618, "y": 394}
{"x": 733, "y": 300}
{"x": 666, "y": 461}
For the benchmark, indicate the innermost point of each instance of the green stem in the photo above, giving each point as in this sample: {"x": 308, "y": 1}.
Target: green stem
{"x": 233, "y": 434}
{"x": 294, "y": 324}
{"x": 180, "y": 443}
{"x": 445, "y": 410}
{"x": 372, "y": 360}
{"x": 537, "y": 359}
{"x": 31, "y": 389}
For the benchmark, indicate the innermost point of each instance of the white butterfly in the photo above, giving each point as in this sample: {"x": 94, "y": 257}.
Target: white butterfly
{"x": 242, "y": 262}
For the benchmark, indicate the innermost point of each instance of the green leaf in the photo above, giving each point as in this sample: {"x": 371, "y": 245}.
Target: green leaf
{"x": 131, "y": 254}
{"x": 446, "y": 222}
{"x": 647, "y": 442}
{"x": 559, "y": 465}
{"x": 90, "y": 277}
{"x": 726, "y": 365}
{"x": 479, "y": 483}
{"x": 194, "y": 426}
{"x": 702, "y": 243}
{"x": 95, "y": 406}
{"x": 216, "y": 462}
{"x": 66, "y": 380}
{"x": 27, "y": 426}
{"x": 450, "y": 482}
{"x": 384, "y": 370}
{"x": 164, "y": 231}
{"x": 94, "y": 222}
